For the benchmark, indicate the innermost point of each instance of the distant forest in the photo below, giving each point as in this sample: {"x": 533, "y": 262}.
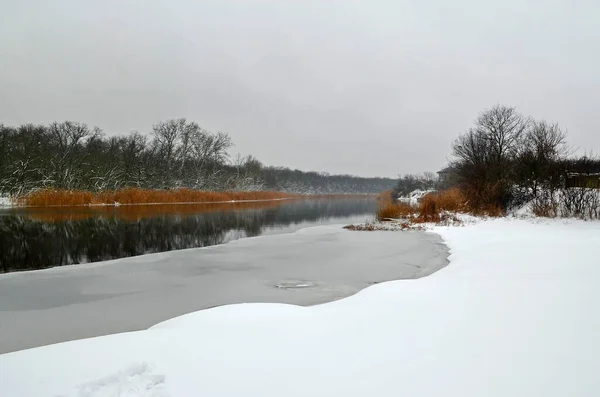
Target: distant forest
{"x": 176, "y": 154}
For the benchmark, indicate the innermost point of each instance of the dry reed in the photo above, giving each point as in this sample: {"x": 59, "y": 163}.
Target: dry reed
{"x": 437, "y": 207}
{"x": 433, "y": 205}
{"x": 48, "y": 198}
{"x": 392, "y": 209}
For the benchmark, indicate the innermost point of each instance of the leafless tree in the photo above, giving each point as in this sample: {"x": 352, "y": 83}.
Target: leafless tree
{"x": 504, "y": 129}
{"x": 166, "y": 135}
{"x": 546, "y": 141}
{"x": 471, "y": 148}
{"x": 188, "y": 131}
{"x": 71, "y": 155}
{"x": 68, "y": 137}
{"x": 485, "y": 154}
{"x": 208, "y": 151}
{"x": 537, "y": 166}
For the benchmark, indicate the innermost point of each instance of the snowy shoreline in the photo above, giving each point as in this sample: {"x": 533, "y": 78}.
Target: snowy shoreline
{"x": 514, "y": 314}
{"x": 6, "y": 203}
{"x": 138, "y": 292}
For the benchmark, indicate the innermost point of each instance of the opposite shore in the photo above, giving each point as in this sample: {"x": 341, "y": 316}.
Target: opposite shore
{"x": 136, "y": 196}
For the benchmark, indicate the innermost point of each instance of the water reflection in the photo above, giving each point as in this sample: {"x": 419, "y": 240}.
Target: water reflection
{"x": 39, "y": 238}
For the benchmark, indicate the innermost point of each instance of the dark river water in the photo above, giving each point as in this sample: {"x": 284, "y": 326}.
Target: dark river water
{"x": 35, "y": 238}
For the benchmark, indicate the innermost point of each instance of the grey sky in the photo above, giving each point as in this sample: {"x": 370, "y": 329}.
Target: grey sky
{"x": 362, "y": 87}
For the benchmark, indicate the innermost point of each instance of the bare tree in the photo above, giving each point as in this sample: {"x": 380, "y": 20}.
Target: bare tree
{"x": 485, "y": 155}
{"x": 209, "y": 152}
{"x": 220, "y": 144}
{"x": 133, "y": 150}
{"x": 247, "y": 174}
{"x": 546, "y": 141}
{"x": 68, "y": 138}
{"x": 537, "y": 167}
{"x": 471, "y": 149}
{"x": 188, "y": 131}
{"x": 503, "y": 128}
{"x": 166, "y": 134}
{"x": 72, "y": 155}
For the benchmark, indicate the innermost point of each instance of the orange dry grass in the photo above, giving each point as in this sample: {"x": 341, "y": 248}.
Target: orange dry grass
{"x": 47, "y": 198}
{"x": 392, "y": 209}
{"x": 395, "y": 211}
{"x": 386, "y": 196}
{"x": 44, "y": 198}
{"x": 437, "y": 207}
{"x": 432, "y": 205}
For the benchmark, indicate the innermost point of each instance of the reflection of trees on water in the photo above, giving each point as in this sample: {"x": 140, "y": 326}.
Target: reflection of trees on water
{"x": 31, "y": 244}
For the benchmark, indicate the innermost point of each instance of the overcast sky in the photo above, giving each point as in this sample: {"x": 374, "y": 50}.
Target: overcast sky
{"x": 372, "y": 88}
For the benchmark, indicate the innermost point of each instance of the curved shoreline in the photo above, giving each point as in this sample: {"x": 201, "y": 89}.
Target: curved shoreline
{"x": 146, "y": 290}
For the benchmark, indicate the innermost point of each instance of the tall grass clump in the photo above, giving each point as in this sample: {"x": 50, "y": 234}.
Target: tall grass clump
{"x": 389, "y": 208}
{"x": 433, "y": 205}
{"x": 49, "y": 197}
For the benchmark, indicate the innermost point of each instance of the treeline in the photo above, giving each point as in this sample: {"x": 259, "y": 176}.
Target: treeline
{"x": 506, "y": 160}
{"x": 176, "y": 154}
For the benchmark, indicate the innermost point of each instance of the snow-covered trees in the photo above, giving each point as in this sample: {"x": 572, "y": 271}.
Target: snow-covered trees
{"x": 410, "y": 182}
{"x": 506, "y": 160}
{"x": 177, "y": 153}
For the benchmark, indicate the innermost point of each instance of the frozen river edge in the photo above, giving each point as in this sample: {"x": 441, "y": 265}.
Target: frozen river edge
{"x": 514, "y": 314}
{"x": 308, "y": 267}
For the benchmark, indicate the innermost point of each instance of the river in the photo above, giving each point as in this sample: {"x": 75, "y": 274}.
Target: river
{"x": 308, "y": 259}
{"x": 37, "y": 238}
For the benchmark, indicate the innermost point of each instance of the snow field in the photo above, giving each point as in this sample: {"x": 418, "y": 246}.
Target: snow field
{"x": 514, "y": 314}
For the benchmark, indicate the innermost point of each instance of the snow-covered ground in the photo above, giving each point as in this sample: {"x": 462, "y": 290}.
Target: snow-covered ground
{"x": 5, "y": 201}
{"x": 414, "y": 196}
{"x": 514, "y": 314}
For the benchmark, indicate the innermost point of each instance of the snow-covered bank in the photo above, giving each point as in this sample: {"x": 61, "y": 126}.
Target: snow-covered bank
{"x": 415, "y": 196}
{"x": 514, "y": 314}
{"x": 5, "y": 201}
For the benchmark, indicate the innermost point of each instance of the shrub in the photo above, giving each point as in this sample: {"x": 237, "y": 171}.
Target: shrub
{"x": 487, "y": 199}
{"x": 545, "y": 204}
{"x": 438, "y": 207}
{"x": 390, "y": 208}
{"x": 395, "y": 211}
{"x": 580, "y": 203}
{"x": 433, "y": 205}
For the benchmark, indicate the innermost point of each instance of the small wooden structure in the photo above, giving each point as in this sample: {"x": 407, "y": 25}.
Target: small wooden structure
{"x": 447, "y": 178}
{"x": 585, "y": 180}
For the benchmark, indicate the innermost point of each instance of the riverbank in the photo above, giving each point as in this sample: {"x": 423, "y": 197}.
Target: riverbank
{"x": 308, "y": 267}
{"x": 133, "y": 196}
{"x": 514, "y": 314}
{"x": 34, "y": 238}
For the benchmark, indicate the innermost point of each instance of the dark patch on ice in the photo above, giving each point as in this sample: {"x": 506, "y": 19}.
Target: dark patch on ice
{"x": 295, "y": 284}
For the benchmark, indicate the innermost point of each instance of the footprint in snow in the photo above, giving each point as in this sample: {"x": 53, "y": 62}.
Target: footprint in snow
{"x": 135, "y": 381}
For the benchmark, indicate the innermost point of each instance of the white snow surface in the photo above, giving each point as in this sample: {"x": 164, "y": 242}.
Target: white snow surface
{"x": 5, "y": 201}
{"x": 514, "y": 314}
{"x": 415, "y": 196}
